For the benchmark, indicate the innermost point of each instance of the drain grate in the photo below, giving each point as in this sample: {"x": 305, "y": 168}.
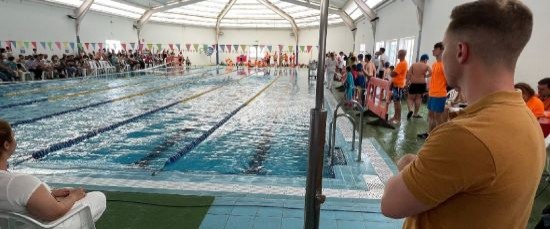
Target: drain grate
{"x": 339, "y": 157}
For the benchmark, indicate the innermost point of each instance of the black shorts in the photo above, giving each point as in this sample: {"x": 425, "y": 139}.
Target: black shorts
{"x": 380, "y": 74}
{"x": 417, "y": 88}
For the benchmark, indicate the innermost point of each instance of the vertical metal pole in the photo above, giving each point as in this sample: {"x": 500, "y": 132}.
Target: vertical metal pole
{"x": 314, "y": 196}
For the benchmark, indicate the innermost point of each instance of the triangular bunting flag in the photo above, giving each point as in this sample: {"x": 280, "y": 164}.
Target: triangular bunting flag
{"x": 123, "y": 45}
{"x": 20, "y": 44}
{"x": 100, "y": 45}
{"x": 280, "y": 48}
{"x": 196, "y": 46}
{"x": 269, "y": 47}
{"x": 290, "y": 48}
{"x": 243, "y": 48}
{"x": 228, "y": 47}
{"x": 308, "y": 48}
{"x": 58, "y": 44}
{"x": 222, "y": 48}
{"x": 178, "y": 46}
{"x": 171, "y": 46}
{"x": 33, "y": 43}
{"x": 133, "y": 45}
{"x": 72, "y": 45}
{"x": 188, "y": 46}
{"x": 65, "y": 44}
{"x": 50, "y": 45}
{"x": 159, "y": 47}
{"x": 262, "y": 47}
{"x": 236, "y": 48}
{"x": 205, "y": 47}
{"x": 79, "y": 45}
{"x": 43, "y": 44}
{"x": 150, "y": 46}
{"x": 26, "y": 44}
{"x": 301, "y": 48}
{"x": 93, "y": 46}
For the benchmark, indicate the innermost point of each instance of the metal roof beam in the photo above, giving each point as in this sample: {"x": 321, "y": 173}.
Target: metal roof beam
{"x": 367, "y": 11}
{"x": 283, "y": 14}
{"x": 168, "y": 6}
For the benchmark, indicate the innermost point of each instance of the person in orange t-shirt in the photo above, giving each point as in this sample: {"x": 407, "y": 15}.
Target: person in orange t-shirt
{"x": 544, "y": 92}
{"x": 437, "y": 92}
{"x": 398, "y": 84}
{"x": 533, "y": 102}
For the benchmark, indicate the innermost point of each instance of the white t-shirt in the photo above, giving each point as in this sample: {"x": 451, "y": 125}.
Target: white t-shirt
{"x": 383, "y": 59}
{"x": 331, "y": 64}
{"x": 15, "y": 190}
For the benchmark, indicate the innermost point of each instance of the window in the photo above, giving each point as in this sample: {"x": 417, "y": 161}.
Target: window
{"x": 391, "y": 51}
{"x": 407, "y": 43}
{"x": 112, "y": 45}
{"x": 378, "y": 45}
{"x": 362, "y": 48}
{"x": 254, "y": 52}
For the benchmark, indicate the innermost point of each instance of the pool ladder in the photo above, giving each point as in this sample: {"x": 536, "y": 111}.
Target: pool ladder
{"x": 332, "y": 130}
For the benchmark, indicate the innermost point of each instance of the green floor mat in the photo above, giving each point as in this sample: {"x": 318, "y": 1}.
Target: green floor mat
{"x": 145, "y": 210}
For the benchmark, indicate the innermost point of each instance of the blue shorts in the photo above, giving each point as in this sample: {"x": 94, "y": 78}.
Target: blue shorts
{"x": 437, "y": 104}
{"x": 396, "y": 94}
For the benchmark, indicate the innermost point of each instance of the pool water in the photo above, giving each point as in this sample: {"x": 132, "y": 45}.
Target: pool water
{"x": 141, "y": 122}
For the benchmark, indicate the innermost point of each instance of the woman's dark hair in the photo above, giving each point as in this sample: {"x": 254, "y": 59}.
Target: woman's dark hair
{"x": 525, "y": 88}
{"x": 348, "y": 69}
{"x": 5, "y": 132}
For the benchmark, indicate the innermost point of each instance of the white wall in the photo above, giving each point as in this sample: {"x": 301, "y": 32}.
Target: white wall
{"x": 530, "y": 67}
{"x": 44, "y": 22}
{"x": 364, "y": 36}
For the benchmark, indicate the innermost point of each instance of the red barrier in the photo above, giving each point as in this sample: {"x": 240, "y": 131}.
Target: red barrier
{"x": 378, "y": 97}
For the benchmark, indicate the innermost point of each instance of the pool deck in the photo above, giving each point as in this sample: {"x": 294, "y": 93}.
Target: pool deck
{"x": 247, "y": 201}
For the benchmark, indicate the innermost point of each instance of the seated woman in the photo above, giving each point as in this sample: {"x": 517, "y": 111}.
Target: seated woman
{"x": 533, "y": 102}
{"x": 26, "y": 194}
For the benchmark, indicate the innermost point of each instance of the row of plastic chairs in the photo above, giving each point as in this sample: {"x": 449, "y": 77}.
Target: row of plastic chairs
{"x": 101, "y": 67}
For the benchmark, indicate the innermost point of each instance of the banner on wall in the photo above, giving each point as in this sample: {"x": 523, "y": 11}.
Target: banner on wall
{"x": 33, "y": 43}
{"x": 196, "y": 46}
{"x": 269, "y": 47}
{"x": 133, "y": 45}
{"x": 58, "y": 45}
{"x": 187, "y": 46}
{"x": 228, "y": 48}
{"x": 150, "y": 47}
{"x": 72, "y": 45}
{"x": 205, "y": 47}
{"x": 159, "y": 47}
{"x": 26, "y": 44}
{"x": 301, "y": 48}
{"x": 179, "y": 47}
{"x": 290, "y": 48}
{"x": 50, "y": 45}
{"x": 93, "y": 45}
{"x": 171, "y": 46}
{"x": 308, "y": 48}
{"x": 123, "y": 45}
{"x": 43, "y": 44}
{"x": 243, "y": 48}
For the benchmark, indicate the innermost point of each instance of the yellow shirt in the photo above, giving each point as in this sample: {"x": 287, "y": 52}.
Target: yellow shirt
{"x": 401, "y": 70}
{"x": 438, "y": 82}
{"x": 481, "y": 169}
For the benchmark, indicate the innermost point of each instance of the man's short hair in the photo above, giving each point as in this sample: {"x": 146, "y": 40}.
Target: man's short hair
{"x": 368, "y": 57}
{"x": 382, "y": 50}
{"x": 545, "y": 81}
{"x": 439, "y": 45}
{"x": 496, "y": 30}
{"x": 424, "y": 57}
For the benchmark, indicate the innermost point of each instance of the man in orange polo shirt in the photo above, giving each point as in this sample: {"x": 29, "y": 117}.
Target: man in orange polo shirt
{"x": 482, "y": 168}
{"x": 437, "y": 92}
{"x": 398, "y": 83}
{"x": 544, "y": 92}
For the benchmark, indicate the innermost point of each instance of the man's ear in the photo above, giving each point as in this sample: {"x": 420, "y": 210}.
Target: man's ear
{"x": 462, "y": 52}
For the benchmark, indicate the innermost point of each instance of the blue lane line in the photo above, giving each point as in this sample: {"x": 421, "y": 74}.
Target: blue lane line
{"x": 68, "y": 143}
{"x": 15, "y": 124}
{"x": 190, "y": 146}
{"x": 24, "y": 103}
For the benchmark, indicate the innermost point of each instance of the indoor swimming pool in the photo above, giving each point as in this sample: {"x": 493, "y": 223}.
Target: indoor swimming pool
{"x": 198, "y": 122}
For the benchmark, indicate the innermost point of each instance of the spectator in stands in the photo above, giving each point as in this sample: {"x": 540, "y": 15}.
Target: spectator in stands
{"x": 187, "y": 62}
{"x": 531, "y": 100}
{"x": 488, "y": 161}
{"x": 26, "y": 194}
{"x": 6, "y": 73}
{"x": 544, "y": 92}
{"x": 13, "y": 66}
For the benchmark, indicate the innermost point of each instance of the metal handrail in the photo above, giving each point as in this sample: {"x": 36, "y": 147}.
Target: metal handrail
{"x": 332, "y": 136}
{"x": 331, "y": 150}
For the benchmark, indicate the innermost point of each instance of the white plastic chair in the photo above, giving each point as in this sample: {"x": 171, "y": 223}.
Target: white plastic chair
{"x": 12, "y": 220}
